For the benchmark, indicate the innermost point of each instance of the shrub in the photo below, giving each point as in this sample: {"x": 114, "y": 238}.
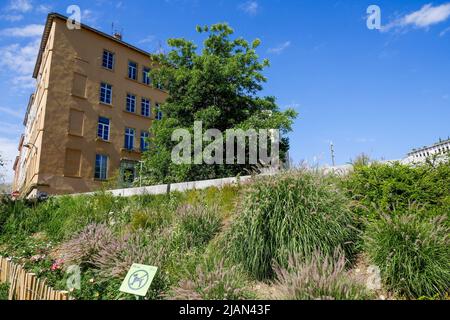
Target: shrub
{"x": 296, "y": 212}
{"x": 83, "y": 247}
{"x": 4, "y": 291}
{"x": 413, "y": 253}
{"x": 217, "y": 283}
{"x": 198, "y": 224}
{"x": 394, "y": 187}
{"x": 318, "y": 277}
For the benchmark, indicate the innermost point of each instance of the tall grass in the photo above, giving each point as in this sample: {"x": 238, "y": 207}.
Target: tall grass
{"x": 292, "y": 213}
{"x": 198, "y": 224}
{"x": 413, "y": 253}
{"x": 86, "y": 245}
{"x": 318, "y": 278}
{"x": 212, "y": 280}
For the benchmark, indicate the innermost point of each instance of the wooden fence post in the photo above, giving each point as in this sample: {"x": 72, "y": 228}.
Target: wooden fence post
{"x": 26, "y": 286}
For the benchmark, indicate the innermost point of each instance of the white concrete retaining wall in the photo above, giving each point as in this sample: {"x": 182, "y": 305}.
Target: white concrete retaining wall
{"x": 180, "y": 187}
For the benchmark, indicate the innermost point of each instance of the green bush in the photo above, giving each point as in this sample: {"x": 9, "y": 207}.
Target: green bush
{"x": 291, "y": 213}
{"x": 394, "y": 187}
{"x": 413, "y": 253}
{"x": 4, "y": 291}
{"x": 318, "y": 278}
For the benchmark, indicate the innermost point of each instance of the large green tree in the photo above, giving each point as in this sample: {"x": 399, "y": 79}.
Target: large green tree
{"x": 218, "y": 85}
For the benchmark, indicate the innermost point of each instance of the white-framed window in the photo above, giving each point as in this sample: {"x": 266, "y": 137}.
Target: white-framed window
{"x": 101, "y": 167}
{"x": 108, "y": 59}
{"x": 106, "y": 93}
{"x": 103, "y": 128}
{"x": 132, "y": 70}
{"x": 131, "y": 103}
{"x": 129, "y": 138}
{"x": 146, "y": 76}
{"x": 144, "y": 140}
{"x": 145, "y": 107}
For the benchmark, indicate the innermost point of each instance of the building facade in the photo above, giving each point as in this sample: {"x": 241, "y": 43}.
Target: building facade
{"x": 89, "y": 118}
{"x": 437, "y": 150}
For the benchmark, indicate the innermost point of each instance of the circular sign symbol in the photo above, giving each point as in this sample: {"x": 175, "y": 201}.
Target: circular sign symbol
{"x": 138, "y": 280}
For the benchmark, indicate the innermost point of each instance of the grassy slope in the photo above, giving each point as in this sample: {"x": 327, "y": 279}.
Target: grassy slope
{"x": 185, "y": 232}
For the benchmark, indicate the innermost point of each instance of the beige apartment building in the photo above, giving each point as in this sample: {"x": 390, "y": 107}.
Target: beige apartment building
{"x": 90, "y": 115}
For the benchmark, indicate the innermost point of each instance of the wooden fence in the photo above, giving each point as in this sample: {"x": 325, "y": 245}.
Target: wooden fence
{"x": 26, "y": 286}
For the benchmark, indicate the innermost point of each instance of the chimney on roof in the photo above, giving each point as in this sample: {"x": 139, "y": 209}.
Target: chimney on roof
{"x": 117, "y": 35}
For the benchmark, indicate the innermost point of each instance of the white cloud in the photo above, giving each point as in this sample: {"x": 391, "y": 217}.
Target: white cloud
{"x": 250, "y": 7}
{"x": 88, "y": 16}
{"x": 423, "y": 18}
{"x": 20, "y": 5}
{"x": 8, "y": 152}
{"x": 11, "y": 17}
{"x": 148, "y": 39}
{"x": 444, "y": 32}
{"x": 18, "y": 61}
{"x": 31, "y": 30}
{"x": 280, "y": 48}
{"x": 44, "y": 8}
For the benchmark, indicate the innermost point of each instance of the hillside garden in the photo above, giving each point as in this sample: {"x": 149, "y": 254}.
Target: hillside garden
{"x": 296, "y": 235}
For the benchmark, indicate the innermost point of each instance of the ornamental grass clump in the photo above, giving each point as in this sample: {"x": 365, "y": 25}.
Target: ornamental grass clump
{"x": 198, "y": 224}
{"x": 217, "y": 283}
{"x": 84, "y": 246}
{"x": 114, "y": 259}
{"x": 318, "y": 277}
{"x": 297, "y": 212}
{"x": 413, "y": 253}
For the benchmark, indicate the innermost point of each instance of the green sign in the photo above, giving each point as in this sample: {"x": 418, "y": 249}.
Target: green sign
{"x": 138, "y": 279}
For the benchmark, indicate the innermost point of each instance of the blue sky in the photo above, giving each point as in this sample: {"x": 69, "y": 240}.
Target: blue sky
{"x": 381, "y": 92}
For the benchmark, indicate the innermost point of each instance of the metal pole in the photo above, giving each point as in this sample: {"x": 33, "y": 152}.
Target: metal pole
{"x": 332, "y": 154}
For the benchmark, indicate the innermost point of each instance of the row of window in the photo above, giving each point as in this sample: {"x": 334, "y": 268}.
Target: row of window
{"x": 109, "y": 61}
{"x": 440, "y": 151}
{"x": 131, "y": 101}
{"x": 103, "y": 131}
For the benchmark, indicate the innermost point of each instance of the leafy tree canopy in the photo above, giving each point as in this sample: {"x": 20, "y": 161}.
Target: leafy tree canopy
{"x": 218, "y": 85}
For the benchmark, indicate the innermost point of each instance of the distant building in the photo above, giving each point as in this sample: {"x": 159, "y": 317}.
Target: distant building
{"x": 90, "y": 114}
{"x": 438, "y": 149}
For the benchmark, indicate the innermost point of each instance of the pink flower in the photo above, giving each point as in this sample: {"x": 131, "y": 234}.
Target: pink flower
{"x": 57, "y": 265}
